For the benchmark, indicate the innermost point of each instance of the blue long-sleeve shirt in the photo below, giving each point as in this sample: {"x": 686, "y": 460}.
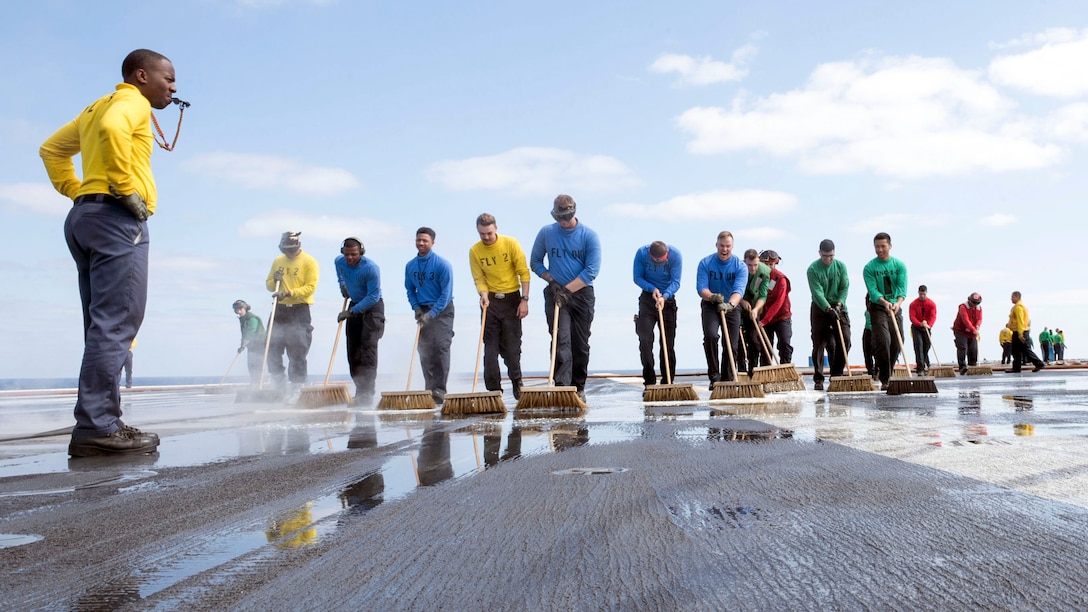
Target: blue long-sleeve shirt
{"x": 573, "y": 253}
{"x": 429, "y": 282}
{"x": 363, "y": 282}
{"x": 665, "y": 277}
{"x": 724, "y": 277}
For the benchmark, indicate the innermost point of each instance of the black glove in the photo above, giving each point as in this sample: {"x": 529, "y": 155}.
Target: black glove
{"x": 716, "y": 299}
{"x": 726, "y": 307}
{"x": 278, "y": 275}
{"x": 343, "y": 315}
{"x": 421, "y": 316}
{"x": 560, "y": 294}
{"x": 344, "y": 292}
{"x": 134, "y": 202}
{"x": 241, "y": 348}
{"x": 834, "y": 312}
{"x": 282, "y": 293}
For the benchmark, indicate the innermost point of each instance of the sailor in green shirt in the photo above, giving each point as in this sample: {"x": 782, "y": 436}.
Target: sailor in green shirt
{"x": 751, "y": 305}
{"x": 886, "y": 279}
{"x": 252, "y": 339}
{"x": 829, "y": 284}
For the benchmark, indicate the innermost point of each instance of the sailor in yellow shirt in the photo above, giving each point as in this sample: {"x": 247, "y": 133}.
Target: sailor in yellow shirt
{"x": 293, "y": 280}
{"x": 1020, "y": 324}
{"x": 106, "y": 232}
{"x": 501, "y": 275}
{"x": 1004, "y": 337}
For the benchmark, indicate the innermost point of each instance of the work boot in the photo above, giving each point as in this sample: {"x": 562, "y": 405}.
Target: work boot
{"x": 818, "y": 386}
{"x": 124, "y": 440}
{"x": 1038, "y": 366}
{"x": 516, "y": 384}
{"x": 136, "y": 432}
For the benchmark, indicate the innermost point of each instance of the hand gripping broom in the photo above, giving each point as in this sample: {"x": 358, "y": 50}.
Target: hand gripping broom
{"x": 489, "y": 402}
{"x": 898, "y": 385}
{"x": 667, "y": 392}
{"x": 848, "y": 383}
{"x": 735, "y": 388}
{"x": 326, "y": 394}
{"x": 408, "y": 400}
{"x": 560, "y": 398}
{"x": 782, "y": 376}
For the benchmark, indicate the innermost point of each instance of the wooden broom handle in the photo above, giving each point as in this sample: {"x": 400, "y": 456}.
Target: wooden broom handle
{"x": 555, "y": 338}
{"x": 229, "y": 368}
{"x": 479, "y": 350}
{"x": 268, "y": 336}
{"x": 729, "y": 347}
{"x": 764, "y": 342}
{"x": 933, "y": 347}
{"x": 336, "y": 343}
{"x": 664, "y": 344}
{"x": 412, "y": 359}
{"x": 842, "y": 347}
{"x": 899, "y": 337}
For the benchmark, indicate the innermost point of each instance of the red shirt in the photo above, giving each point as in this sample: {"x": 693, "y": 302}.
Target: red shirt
{"x": 777, "y": 306}
{"x": 923, "y": 310}
{"x": 968, "y": 320}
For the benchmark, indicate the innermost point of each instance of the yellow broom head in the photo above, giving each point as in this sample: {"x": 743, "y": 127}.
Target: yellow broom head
{"x": 406, "y": 400}
{"x": 558, "y": 399}
{"x": 941, "y": 372}
{"x": 489, "y": 402}
{"x": 850, "y": 384}
{"x": 732, "y": 390}
{"x": 669, "y": 393}
{"x": 325, "y": 395}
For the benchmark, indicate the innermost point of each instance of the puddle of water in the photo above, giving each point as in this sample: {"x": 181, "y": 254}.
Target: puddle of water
{"x": 11, "y": 540}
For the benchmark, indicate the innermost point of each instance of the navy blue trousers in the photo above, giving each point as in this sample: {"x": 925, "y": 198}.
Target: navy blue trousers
{"x": 110, "y": 248}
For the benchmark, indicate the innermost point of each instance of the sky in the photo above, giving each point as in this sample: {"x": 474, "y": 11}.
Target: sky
{"x": 960, "y": 128}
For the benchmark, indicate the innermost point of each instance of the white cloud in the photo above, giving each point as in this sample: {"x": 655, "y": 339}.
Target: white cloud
{"x": 998, "y": 220}
{"x": 1055, "y": 69}
{"x": 704, "y": 70}
{"x": 534, "y": 171}
{"x": 329, "y": 228}
{"x": 268, "y": 172}
{"x": 738, "y": 204}
{"x": 37, "y": 198}
{"x": 1069, "y": 122}
{"x": 904, "y": 117}
{"x": 888, "y": 223}
{"x": 1050, "y": 35}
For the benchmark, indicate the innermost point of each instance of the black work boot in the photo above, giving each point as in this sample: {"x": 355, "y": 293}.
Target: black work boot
{"x": 124, "y": 440}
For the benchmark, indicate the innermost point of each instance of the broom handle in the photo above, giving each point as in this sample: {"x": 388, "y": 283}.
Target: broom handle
{"x": 479, "y": 350}
{"x": 336, "y": 343}
{"x": 765, "y": 343}
{"x": 899, "y": 337}
{"x": 933, "y": 347}
{"x": 664, "y": 344}
{"x": 268, "y": 338}
{"x": 729, "y": 346}
{"x": 842, "y": 347}
{"x": 744, "y": 349}
{"x": 412, "y": 359}
{"x": 555, "y": 339}
{"x": 229, "y": 368}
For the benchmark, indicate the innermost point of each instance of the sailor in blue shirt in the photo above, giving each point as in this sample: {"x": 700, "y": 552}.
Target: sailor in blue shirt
{"x": 657, "y": 271}
{"x": 360, "y": 281}
{"x": 720, "y": 282}
{"x": 428, "y": 279}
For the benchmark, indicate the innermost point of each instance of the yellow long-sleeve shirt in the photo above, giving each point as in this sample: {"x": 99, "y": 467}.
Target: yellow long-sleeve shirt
{"x": 500, "y": 268}
{"x": 299, "y": 277}
{"x": 113, "y": 136}
{"x": 1019, "y": 321}
{"x": 1004, "y": 336}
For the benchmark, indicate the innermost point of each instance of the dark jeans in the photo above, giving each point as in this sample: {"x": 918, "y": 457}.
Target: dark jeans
{"x": 885, "y": 342}
{"x": 1022, "y": 352}
{"x": 572, "y": 346}
{"x": 867, "y": 351}
{"x": 920, "y": 338}
{"x": 825, "y": 337}
{"x": 966, "y": 350}
{"x": 712, "y": 323}
{"x": 1045, "y": 346}
{"x": 645, "y": 325}
{"x": 110, "y": 250}
{"x": 1006, "y": 352}
{"x": 361, "y": 335}
{"x": 783, "y": 330}
{"x": 434, "y": 351}
{"x": 502, "y": 338}
{"x": 291, "y": 332}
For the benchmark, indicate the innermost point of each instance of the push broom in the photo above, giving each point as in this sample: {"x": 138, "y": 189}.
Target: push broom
{"x": 222, "y": 381}
{"x": 667, "y": 392}
{"x": 848, "y": 383}
{"x": 736, "y": 388}
{"x": 777, "y": 377}
{"x": 260, "y": 394}
{"x": 489, "y": 402}
{"x": 898, "y": 385}
{"x": 326, "y": 394}
{"x": 561, "y": 398}
{"x": 979, "y": 370}
{"x": 408, "y": 400}
{"x": 939, "y": 371}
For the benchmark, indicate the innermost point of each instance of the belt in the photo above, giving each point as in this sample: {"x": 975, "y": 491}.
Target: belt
{"x": 291, "y": 305}
{"x": 503, "y": 296}
{"x": 95, "y": 198}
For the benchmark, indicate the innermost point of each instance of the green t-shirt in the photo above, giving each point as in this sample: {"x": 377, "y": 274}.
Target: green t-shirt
{"x": 885, "y": 279}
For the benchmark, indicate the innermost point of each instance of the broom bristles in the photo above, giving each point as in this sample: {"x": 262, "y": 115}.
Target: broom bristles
{"x": 911, "y": 384}
{"x": 325, "y": 395}
{"x": 406, "y": 400}
{"x": 669, "y": 393}
{"x": 783, "y": 386}
{"x": 776, "y": 373}
{"x": 731, "y": 390}
{"x": 977, "y": 370}
{"x": 559, "y": 398}
{"x": 850, "y": 384}
{"x": 941, "y": 372}
{"x": 489, "y": 402}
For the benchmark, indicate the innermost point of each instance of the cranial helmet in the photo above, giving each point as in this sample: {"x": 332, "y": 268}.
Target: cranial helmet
{"x": 240, "y": 304}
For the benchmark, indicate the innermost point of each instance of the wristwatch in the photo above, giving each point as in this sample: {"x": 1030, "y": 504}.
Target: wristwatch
{"x": 525, "y": 298}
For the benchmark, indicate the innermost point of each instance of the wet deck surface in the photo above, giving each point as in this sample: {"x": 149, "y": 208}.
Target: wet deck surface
{"x": 975, "y": 496}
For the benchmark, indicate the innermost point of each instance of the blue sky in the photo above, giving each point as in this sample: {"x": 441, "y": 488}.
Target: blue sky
{"x": 959, "y": 128}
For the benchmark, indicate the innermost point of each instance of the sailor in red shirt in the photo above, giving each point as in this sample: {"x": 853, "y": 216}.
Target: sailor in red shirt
{"x": 923, "y": 314}
{"x": 777, "y": 318}
{"x": 966, "y": 328}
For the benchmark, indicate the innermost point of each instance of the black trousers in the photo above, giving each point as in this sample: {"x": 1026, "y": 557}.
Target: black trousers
{"x": 783, "y": 331}
{"x": 572, "y": 339}
{"x": 361, "y": 335}
{"x": 867, "y": 351}
{"x": 1006, "y": 352}
{"x": 434, "y": 351}
{"x": 1022, "y": 352}
{"x": 291, "y": 332}
{"x": 922, "y": 342}
{"x": 645, "y": 325}
{"x": 966, "y": 350}
{"x": 712, "y": 322}
{"x": 885, "y": 343}
{"x": 502, "y": 337}
{"x": 825, "y": 337}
